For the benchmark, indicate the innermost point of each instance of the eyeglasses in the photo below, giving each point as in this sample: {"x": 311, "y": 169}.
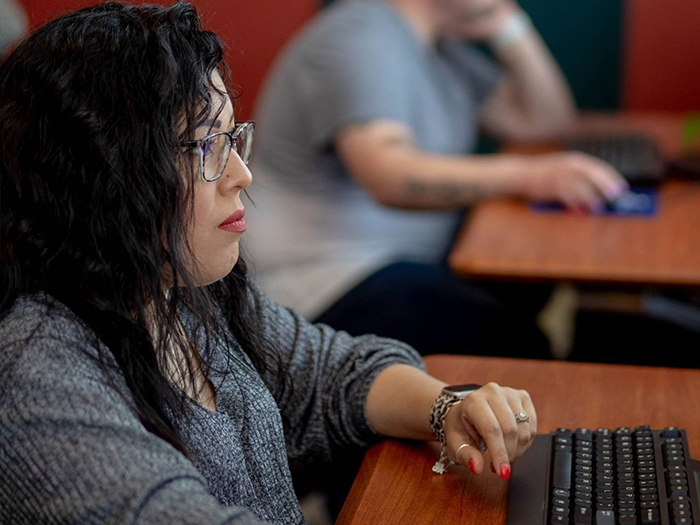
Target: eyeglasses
{"x": 214, "y": 150}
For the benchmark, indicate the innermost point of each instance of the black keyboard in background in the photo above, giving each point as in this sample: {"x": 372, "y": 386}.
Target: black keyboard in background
{"x": 605, "y": 477}
{"x": 637, "y": 157}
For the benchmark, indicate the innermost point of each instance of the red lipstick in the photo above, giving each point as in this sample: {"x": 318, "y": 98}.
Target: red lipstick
{"x": 234, "y": 222}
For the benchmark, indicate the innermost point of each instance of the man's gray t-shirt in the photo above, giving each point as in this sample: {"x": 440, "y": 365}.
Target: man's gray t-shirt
{"x": 316, "y": 232}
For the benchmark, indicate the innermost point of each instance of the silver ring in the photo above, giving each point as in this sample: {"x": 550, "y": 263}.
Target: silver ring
{"x": 521, "y": 417}
{"x": 460, "y": 448}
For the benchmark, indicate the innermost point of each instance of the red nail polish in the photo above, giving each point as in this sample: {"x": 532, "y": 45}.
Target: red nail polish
{"x": 472, "y": 467}
{"x": 505, "y": 471}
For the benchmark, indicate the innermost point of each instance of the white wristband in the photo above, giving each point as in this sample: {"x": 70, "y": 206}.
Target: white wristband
{"x": 514, "y": 28}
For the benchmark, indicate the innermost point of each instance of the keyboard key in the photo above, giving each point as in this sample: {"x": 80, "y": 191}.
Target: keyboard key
{"x": 675, "y": 476}
{"x": 627, "y": 519}
{"x": 582, "y": 515}
{"x": 650, "y": 516}
{"x": 680, "y": 514}
{"x": 561, "y": 511}
{"x": 680, "y": 505}
{"x": 562, "y": 469}
{"x": 605, "y": 517}
{"x": 583, "y": 434}
{"x": 671, "y": 432}
{"x": 560, "y": 502}
{"x": 679, "y": 495}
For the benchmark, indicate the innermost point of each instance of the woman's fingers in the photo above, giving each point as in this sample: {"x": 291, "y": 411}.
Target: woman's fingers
{"x": 480, "y": 413}
{"x": 525, "y": 435}
{"x": 468, "y": 455}
{"x": 488, "y": 416}
{"x": 529, "y": 408}
{"x": 503, "y": 410}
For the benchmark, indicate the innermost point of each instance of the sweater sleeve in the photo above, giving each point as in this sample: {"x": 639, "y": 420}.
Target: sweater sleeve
{"x": 72, "y": 450}
{"x": 331, "y": 373}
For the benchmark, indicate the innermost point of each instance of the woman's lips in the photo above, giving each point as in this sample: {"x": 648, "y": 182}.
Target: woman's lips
{"x": 234, "y": 223}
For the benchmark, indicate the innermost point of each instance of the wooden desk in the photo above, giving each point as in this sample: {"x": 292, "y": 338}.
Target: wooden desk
{"x": 509, "y": 240}
{"x": 396, "y": 485}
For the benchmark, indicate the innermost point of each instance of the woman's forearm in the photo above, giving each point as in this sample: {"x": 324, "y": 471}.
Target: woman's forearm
{"x": 399, "y": 402}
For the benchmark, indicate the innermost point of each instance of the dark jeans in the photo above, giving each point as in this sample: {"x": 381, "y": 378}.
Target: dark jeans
{"x": 436, "y": 311}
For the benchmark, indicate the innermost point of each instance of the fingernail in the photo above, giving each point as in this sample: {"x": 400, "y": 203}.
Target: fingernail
{"x": 505, "y": 471}
{"x": 472, "y": 467}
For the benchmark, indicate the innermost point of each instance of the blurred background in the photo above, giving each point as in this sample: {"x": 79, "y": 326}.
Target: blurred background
{"x": 616, "y": 54}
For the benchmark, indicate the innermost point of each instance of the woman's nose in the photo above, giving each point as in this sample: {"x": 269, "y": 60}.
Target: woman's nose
{"x": 236, "y": 175}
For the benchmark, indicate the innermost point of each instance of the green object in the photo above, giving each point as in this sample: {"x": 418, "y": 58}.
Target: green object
{"x": 586, "y": 40}
{"x": 691, "y": 132}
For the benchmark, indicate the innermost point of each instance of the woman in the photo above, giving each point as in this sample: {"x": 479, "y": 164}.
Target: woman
{"x": 143, "y": 377}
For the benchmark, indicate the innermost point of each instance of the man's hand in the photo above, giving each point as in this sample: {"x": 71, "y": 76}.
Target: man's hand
{"x": 480, "y": 19}
{"x": 487, "y": 417}
{"x": 576, "y": 180}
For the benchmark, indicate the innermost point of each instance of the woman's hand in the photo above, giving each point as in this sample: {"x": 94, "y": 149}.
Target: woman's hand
{"x": 488, "y": 416}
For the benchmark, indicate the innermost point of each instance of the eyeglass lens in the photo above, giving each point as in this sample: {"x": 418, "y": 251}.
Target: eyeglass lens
{"x": 217, "y": 151}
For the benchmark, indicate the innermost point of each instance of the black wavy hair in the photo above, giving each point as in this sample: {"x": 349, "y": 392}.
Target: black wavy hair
{"x": 94, "y": 205}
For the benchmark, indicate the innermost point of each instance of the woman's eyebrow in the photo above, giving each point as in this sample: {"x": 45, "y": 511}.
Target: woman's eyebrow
{"x": 210, "y": 123}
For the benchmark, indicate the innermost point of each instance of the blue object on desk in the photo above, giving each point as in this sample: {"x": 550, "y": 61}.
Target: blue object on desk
{"x": 637, "y": 201}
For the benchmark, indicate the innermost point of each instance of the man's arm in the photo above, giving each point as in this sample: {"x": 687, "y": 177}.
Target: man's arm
{"x": 382, "y": 156}
{"x": 533, "y": 100}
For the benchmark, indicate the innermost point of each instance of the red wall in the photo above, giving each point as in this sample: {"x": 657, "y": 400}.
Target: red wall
{"x": 662, "y": 55}
{"x": 254, "y": 31}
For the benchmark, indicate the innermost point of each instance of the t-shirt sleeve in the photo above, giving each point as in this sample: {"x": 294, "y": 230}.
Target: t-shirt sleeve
{"x": 331, "y": 374}
{"x": 353, "y": 79}
{"x": 73, "y": 451}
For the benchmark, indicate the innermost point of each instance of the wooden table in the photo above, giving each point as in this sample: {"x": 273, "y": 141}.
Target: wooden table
{"x": 396, "y": 485}
{"x": 506, "y": 239}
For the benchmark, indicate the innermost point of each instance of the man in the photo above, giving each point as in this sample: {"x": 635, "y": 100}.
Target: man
{"x": 366, "y": 129}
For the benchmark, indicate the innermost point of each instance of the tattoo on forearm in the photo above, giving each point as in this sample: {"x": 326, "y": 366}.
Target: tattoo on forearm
{"x": 446, "y": 192}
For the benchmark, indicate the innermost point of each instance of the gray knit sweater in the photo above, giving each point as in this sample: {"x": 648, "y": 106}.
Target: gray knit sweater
{"x": 72, "y": 451}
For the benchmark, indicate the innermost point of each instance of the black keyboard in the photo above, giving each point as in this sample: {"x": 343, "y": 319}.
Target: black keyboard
{"x": 636, "y": 157}
{"x": 606, "y": 477}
